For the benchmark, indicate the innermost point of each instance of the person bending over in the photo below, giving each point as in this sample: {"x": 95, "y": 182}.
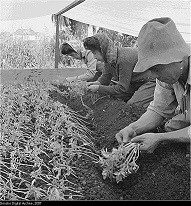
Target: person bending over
{"x": 94, "y": 67}
{"x": 133, "y": 87}
{"x": 163, "y": 51}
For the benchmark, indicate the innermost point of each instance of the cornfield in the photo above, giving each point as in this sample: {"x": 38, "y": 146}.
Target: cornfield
{"x": 18, "y": 54}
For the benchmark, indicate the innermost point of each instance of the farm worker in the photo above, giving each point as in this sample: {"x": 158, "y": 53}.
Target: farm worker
{"x": 134, "y": 87}
{"x": 163, "y": 51}
{"x": 94, "y": 68}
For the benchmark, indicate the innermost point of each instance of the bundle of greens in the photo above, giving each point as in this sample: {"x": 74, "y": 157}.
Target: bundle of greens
{"x": 120, "y": 162}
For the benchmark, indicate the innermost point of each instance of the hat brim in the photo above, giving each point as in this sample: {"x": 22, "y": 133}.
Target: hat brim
{"x": 163, "y": 58}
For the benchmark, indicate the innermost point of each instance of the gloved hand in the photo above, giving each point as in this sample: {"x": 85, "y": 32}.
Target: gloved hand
{"x": 93, "y": 88}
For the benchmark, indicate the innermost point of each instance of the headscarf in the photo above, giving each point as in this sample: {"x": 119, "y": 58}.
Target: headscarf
{"x": 108, "y": 49}
{"x": 76, "y": 45}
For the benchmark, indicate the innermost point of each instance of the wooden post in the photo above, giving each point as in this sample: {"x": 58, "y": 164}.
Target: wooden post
{"x": 90, "y": 30}
{"x": 57, "y": 52}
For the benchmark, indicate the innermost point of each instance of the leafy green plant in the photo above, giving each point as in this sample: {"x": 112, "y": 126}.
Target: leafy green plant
{"x": 40, "y": 141}
{"x": 76, "y": 90}
{"x": 19, "y": 54}
{"x": 120, "y": 162}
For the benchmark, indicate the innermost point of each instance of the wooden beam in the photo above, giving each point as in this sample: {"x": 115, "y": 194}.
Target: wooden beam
{"x": 57, "y": 51}
{"x": 70, "y": 6}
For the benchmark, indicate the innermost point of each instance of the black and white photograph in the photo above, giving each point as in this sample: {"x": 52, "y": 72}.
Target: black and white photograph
{"x": 94, "y": 101}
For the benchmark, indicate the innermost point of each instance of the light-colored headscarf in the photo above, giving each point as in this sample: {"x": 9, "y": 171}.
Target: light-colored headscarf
{"x": 76, "y": 45}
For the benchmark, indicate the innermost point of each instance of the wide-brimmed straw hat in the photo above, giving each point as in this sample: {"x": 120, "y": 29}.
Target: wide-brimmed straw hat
{"x": 159, "y": 42}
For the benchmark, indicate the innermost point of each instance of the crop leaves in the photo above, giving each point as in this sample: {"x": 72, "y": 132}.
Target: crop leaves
{"x": 120, "y": 162}
{"x": 40, "y": 141}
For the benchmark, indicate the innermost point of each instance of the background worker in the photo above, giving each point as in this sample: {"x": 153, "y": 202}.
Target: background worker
{"x": 75, "y": 50}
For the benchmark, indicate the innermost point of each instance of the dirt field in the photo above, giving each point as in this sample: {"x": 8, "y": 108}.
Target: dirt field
{"x": 163, "y": 175}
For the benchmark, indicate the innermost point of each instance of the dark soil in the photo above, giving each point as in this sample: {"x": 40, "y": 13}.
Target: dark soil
{"x": 162, "y": 175}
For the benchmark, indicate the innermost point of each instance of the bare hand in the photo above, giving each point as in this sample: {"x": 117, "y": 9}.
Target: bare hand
{"x": 93, "y": 88}
{"x": 125, "y": 135}
{"x": 71, "y": 79}
{"x": 148, "y": 141}
{"x": 58, "y": 81}
{"x": 92, "y": 83}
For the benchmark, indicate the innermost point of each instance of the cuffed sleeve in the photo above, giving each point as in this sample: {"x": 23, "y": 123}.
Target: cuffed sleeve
{"x": 106, "y": 76}
{"x": 85, "y": 77}
{"x": 90, "y": 62}
{"x": 164, "y": 102}
{"x": 122, "y": 86}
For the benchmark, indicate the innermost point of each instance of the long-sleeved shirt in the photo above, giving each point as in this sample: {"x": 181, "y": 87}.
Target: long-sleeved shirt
{"x": 122, "y": 72}
{"x": 168, "y": 96}
{"x": 90, "y": 61}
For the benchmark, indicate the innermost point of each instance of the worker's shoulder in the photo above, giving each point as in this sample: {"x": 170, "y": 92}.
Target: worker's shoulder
{"x": 127, "y": 54}
{"x": 86, "y": 53}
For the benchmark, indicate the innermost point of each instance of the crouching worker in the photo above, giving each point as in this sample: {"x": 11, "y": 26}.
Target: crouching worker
{"x": 134, "y": 87}
{"x": 94, "y": 68}
{"x": 163, "y": 51}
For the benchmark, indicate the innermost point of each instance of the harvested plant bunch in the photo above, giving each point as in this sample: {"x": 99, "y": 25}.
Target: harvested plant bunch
{"x": 76, "y": 89}
{"x": 73, "y": 88}
{"x": 79, "y": 88}
{"x": 120, "y": 162}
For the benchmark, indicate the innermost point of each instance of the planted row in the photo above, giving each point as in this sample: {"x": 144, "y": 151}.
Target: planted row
{"x": 40, "y": 141}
